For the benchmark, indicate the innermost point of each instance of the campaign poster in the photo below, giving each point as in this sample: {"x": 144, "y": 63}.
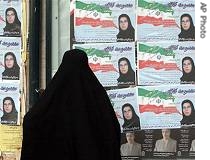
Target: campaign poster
{"x": 124, "y": 102}
{"x": 165, "y": 143}
{"x": 131, "y": 145}
{"x": 105, "y": 20}
{"x": 166, "y": 63}
{"x": 9, "y": 104}
{"x": 166, "y": 106}
{"x": 160, "y": 143}
{"x": 165, "y": 20}
{"x": 10, "y": 59}
{"x": 10, "y": 18}
{"x": 112, "y": 63}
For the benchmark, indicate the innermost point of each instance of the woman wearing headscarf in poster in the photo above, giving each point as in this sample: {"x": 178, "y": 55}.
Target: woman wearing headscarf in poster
{"x": 10, "y": 114}
{"x": 166, "y": 144}
{"x": 188, "y": 69}
{"x": 12, "y": 69}
{"x": 187, "y": 28}
{"x": 73, "y": 117}
{"x": 188, "y": 112}
{"x": 127, "y": 75}
{"x": 126, "y": 30}
{"x": 131, "y": 148}
{"x": 131, "y": 120}
{"x": 13, "y": 24}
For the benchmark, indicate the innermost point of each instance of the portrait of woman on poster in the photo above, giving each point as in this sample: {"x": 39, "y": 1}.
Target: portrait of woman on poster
{"x": 188, "y": 112}
{"x": 166, "y": 144}
{"x": 13, "y": 24}
{"x": 126, "y": 73}
{"x": 188, "y": 69}
{"x": 131, "y": 120}
{"x": 131, "y": 147}
{"x": 126, "y": 30}
{"x": 10, "y": 114}
{"x": 187, "y": 28}
{"x": 12, "y": 69}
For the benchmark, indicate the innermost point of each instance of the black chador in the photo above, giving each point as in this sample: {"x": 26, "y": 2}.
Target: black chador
{"x": 73, "y": 118}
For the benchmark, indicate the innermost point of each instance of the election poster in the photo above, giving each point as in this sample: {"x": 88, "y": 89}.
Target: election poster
{"x": 168, "y": 143}
{"x": 163, "y": 63}
{"x": 165, "y": 20}
{"x": 124, "y": 102}
{"x": 161, "y": 144}
{"x": 10, "y": 18}
{"x": 131, "y": 145}
{"x": 105, "y": 21}
{"x": 9, "y": 104}
{"x": 166, "y": 106}
{"x": 112, "y": 63}
{"x": 10, "y": 59}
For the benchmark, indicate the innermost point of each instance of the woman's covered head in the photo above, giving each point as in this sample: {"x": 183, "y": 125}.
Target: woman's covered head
{"x": 128, "y": 111}
{"x": 187, "y": 107}
{"x": 11, "y": 16}
{"x": 186, "y": 22}
{"x": 8, "y": 105}
{"x": 124, "y": 65}
{"x": 10, "y": 60}
{"x": 124, "y": 22}
{"x": 188, "y": 65}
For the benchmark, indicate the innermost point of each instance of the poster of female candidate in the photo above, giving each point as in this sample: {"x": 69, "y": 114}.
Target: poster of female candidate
{"x": 165, "y": 20}
{"x": 105, "y": 21}
{"x": 9, "y": 104}
{"x": 166, "y": 63}
{"x": 10, "y": 59}
{"x": 125, "y": 106}
{"x": 112, "y": 63}
{"x": 166, "y": 106}
{"x": 10, "y": 18}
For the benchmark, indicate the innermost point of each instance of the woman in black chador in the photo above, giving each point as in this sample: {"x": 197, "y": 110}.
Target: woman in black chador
{"x": 131, "y": 120}
{"x": 13, "y": 25}
{"x": 12, "y": 69}
{"x": 187, "y": 28}
{"x": 126, "y": 30}
{"x": 73, "y": 118}
{"x": 188, "y": 69}
{"x": 188, "y": 112}
{"x": 127, "y": 75}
